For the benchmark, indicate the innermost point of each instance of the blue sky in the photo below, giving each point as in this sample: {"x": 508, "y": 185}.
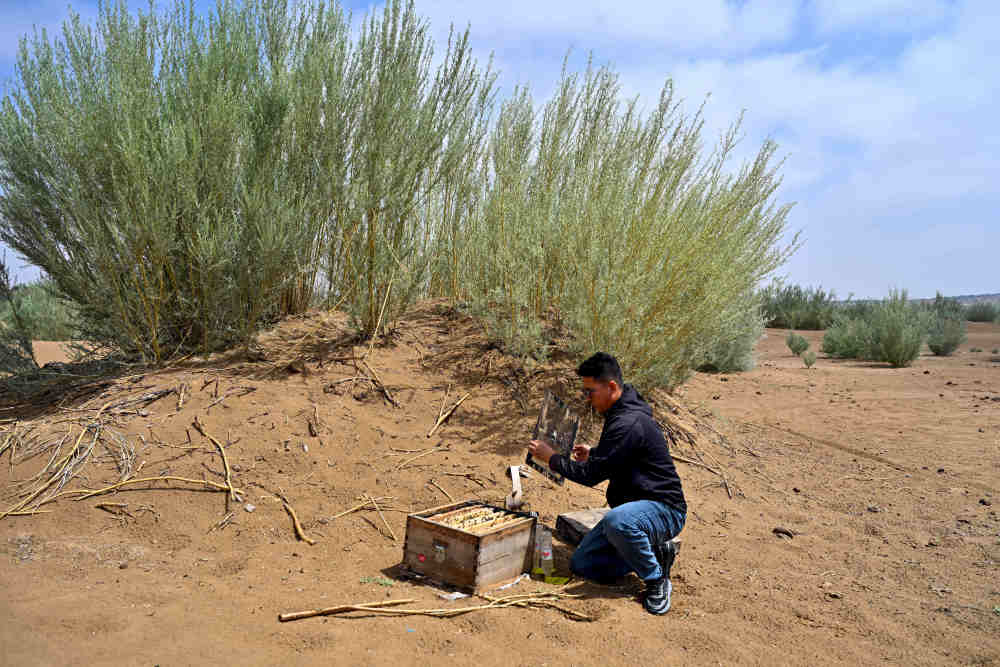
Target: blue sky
{"x": 884, "y": 110}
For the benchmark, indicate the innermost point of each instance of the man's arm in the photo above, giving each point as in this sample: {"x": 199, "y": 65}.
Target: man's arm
{"x": 611, "y": 453}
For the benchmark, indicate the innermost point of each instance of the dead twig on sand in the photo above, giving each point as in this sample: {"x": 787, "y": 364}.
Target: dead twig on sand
{"x": 377, "y": 381}
{"x": 298, "y": 526}
{"x": 436, "y": 486}
{"x": 381, "y": 312}
{"x": 232, "y": 393}
{"x": 222, "y": 451}
{"x": 118, "y": 509}
{"x": 294, "y": 616}
{"x": 424, "y": 453}
{"x": 443, "y": 417}
{"x": 699, "y": 464}
{"x": 144, "y": 400}
{"x": 521, "y": 600}
{"x": 223, "y": 523}
{"x": 359, "y": 507}
{"x": 90, "y": 493}
{"x": 382, "y": 516}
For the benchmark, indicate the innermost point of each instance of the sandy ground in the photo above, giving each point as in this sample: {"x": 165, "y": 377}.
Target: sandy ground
{"x": 887, "y": 478}
{"x": 47, "y": 351}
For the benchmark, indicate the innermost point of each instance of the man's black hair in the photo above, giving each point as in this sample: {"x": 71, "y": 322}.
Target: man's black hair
{"x": 602, "y": 366}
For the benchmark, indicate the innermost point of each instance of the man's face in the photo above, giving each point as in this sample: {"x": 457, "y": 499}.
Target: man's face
{"x": 600, "y": 395}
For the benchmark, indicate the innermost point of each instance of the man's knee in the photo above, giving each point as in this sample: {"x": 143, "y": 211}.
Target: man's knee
{"x": 617, "y": 523}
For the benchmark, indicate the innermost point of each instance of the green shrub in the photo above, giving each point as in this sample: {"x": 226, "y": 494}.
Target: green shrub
{"x": 996, "y": 350}
{"x": 946, "y": 307}
{"x": 945, "y": 335}
{"x": 796, "y": 343}
{"x": 857, "y": 309}
{"x": 975, "y": 349}
{"x": 614, "y": 220}
{"x": 186, "y": 181}
{"x": 892, "y": 330}
{"x": 733, "y": 350}
{"x": 794, "y": 307}
{"x": 809, "y": 358}
{"x": 982, "y": 311}
{"x": 16, "y": 352}
{"x": 848, "y": 337}
{"x": 44, "y": 315}
{"x": 899, "y": 330}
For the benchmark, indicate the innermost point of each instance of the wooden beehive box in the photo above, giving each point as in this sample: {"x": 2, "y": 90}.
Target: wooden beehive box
{"x": 470, "y": 545}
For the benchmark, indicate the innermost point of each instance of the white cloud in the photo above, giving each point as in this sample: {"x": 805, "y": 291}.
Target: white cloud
{"x": 881, "y": 15}
{"x": 717, "y": 25}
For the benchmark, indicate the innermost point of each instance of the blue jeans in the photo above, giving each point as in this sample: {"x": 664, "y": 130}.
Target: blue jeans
{"x": 622, "y": 542}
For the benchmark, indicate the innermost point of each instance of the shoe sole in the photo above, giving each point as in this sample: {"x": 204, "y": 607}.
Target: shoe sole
{"x": 666, "y": 607}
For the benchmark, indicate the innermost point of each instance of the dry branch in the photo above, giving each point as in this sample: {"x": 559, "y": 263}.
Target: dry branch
{"x": 222, "y": 523}
{"x": 294, "y": 616}
{"x": 377, "y": 381}
{"x": 424, "y": 453}
{"x": 298, "y": 526}
{"x": 522, "y": 600}
{"x": 382, "y": 516}
{"x": 90, "y": 493}
{"x": 225, "y": 461}
{"x": 232, "y": 393}
{"x": 436, "y": 486}
{"x": 443, "y": 417}
{"x": 359, "y": 507}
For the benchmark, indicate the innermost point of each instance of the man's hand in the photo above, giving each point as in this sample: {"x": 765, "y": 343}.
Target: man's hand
{"x": 541, "y": 451}
{"x": 581, "y": 453}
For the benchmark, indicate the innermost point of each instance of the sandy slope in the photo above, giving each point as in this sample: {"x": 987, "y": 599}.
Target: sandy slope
{"x": 888, "y": 478}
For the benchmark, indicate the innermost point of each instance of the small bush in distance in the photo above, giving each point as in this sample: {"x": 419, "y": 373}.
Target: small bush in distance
{"x": 796, "y": 343}
{"x": 984, "y": 311}
{"x": 975, "y": 349}
{"x": 945, "y": 335}
{"x": 892, "y": 330}
{"x": 848, "y": 337}
{"x": 795, "y": 307}
{"x": 898, "y": 329}
{"x": 996, "y": 350}
{"x": 809, "y": 358}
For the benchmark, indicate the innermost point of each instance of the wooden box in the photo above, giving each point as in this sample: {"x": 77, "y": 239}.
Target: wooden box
{"x": 470, "y": 545}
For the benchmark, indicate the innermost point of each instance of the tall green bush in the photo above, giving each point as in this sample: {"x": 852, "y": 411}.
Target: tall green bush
{"x": 945, "y": 335}
{"x": 892, "y": 330}
{"x": 946, "y": 307}
{"x": 795, "y": 307}
{"x": 899, "y": 330}
{"x": 982, "y": 311}
{"x": 187, "y": 180}
{"x": 848, "y": 337}
{"x": 615, "y": 220}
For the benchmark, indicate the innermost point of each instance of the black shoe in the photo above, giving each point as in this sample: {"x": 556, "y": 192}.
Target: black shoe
{"x": 665, "y": 553}
{"x": 657, "y": 600}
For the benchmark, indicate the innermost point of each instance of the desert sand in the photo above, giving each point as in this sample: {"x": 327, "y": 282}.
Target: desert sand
{"x": 887, "y": 479}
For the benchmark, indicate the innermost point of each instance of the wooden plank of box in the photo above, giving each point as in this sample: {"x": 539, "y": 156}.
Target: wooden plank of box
{"x": 477, "y": 558}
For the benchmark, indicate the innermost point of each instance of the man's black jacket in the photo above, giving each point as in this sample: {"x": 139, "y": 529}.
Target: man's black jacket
{"x": 632, "y": 454}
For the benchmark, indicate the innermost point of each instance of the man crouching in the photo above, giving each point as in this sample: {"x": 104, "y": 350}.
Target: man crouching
{"x": 644, "y": 492}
